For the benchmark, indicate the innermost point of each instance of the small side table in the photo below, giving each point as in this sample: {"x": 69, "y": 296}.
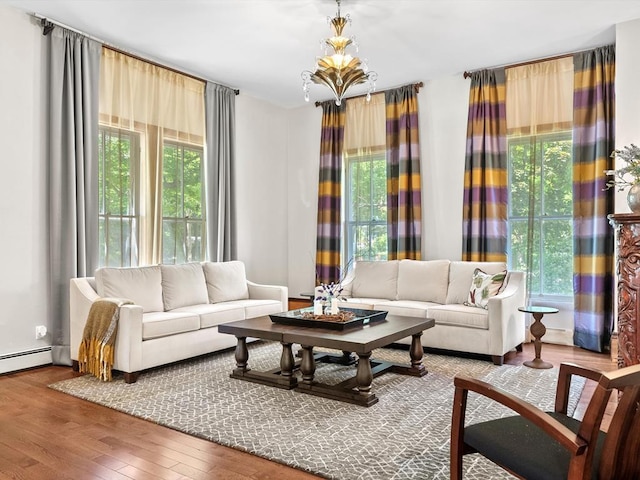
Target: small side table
{"x": 310, "y": 295}
{"x": 538, "y": 330}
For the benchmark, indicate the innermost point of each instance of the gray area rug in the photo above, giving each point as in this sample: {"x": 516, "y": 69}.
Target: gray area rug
{"x": 404, "y": 436}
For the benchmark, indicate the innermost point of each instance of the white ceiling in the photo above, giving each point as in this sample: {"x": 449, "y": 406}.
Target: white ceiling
{"x": 261, "y": 46}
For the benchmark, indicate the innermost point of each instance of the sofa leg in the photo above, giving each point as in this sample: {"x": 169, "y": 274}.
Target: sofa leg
{"x": 497, "y": 359}
{"x": 75, "y": 365}
{"x": 519, "y": 348}
{"x": 131, "y": 377}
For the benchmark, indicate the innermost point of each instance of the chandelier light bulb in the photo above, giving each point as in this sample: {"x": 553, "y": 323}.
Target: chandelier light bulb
{"x": 340, "y": 70}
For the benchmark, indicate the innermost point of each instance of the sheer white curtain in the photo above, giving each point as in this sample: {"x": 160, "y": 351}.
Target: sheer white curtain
{"x": 539, "y": 100}
{"x": 158, "y": 104}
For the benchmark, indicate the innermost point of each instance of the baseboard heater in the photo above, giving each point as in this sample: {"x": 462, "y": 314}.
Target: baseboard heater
{"x": 12, "y": 362}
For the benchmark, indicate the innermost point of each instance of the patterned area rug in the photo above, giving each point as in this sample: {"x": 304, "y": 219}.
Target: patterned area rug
{"x": 404, "y": 436}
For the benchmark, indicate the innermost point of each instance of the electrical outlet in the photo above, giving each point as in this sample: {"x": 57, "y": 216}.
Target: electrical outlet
{"x": 41, "y": 331}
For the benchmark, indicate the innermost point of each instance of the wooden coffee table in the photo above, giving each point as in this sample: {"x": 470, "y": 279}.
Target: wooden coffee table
{"x": 359, "y": 340}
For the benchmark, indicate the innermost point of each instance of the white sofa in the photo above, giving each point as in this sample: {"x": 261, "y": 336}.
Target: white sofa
{"x": 438, "y": 289}
{"x": 175, "y": 311}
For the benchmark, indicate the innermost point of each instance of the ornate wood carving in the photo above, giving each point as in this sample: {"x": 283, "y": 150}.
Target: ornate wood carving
{"x": 627, "y": 229}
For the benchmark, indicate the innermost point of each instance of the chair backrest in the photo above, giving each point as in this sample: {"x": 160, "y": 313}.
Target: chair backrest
{"x": 620, "y": 456}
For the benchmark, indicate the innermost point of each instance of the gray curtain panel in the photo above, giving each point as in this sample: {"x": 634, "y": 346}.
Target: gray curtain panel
{"x": 220, "y": 115}
{"x": 74, "y": 73}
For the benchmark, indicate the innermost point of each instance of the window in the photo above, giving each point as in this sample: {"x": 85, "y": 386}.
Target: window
{"x": 121, "y": 188}
{"x": 366, "y": 206}
{"x": 552, "y": 206}
{"x": 118, "y": 159}
{"x": 182, "y": 200}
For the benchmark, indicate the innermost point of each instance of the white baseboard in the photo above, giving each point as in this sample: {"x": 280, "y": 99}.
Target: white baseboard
{"x": 559, "y": 336}
{"x": 13, "y": 362}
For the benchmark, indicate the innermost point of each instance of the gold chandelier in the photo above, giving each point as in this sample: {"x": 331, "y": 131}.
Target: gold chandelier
{"x": 339, "y": 71}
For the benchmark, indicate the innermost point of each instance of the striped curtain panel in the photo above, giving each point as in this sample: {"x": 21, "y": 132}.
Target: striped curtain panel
{"x": 404, "y": 201}
{"x": 329, "y": 193}
{"x": 593, "y": 244}
{"x": 484, "y": 234}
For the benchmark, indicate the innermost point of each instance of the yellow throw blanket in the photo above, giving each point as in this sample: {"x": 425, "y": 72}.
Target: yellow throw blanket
{"x": 96, "y": 352}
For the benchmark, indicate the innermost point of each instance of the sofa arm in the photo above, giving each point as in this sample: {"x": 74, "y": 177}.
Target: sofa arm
{"x": 128, "y": 349}
{"x": 269, "y": 292}
{"x": 506, "y": 323}
{"x": 81, "y": 296}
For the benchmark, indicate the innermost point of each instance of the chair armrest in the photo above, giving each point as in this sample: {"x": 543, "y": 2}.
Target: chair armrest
{"x": 556, "y": 430}
{"x": 269, "y": 292}
{"x": 568, "y": 370}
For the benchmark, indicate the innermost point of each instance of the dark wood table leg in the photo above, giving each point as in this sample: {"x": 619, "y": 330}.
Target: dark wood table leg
{"x": 279, "y": 377}
{"x": 242, "y": 355}
{"x": 286, "y": 360}
{"x": 537, "y": 330}
{"x": 417, "y": 369}
{"x": 308, "y": 364}
{"x": 364, "y": 375}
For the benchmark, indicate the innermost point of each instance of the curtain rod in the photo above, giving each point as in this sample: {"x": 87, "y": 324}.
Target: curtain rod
{"x": 48, "y": 24}
{"x": 417, "y": 86}
{"x": 530, "y": 62}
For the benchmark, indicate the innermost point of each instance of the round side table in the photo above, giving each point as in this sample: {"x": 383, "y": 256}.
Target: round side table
{"x": 538, "y": 329}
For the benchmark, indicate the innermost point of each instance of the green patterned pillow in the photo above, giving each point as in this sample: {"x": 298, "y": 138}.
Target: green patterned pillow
{"x": 483, "y": 287}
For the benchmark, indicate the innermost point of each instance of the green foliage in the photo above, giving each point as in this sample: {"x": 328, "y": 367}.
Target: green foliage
{"x": 629, "y": 174}
{"x": 550, "y": 178}
{"x": 119, "y": 190}
{"x": 367, "y": 209}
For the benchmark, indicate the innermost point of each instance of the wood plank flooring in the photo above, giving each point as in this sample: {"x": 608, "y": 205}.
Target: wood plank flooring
{"x": 45, "y": 434}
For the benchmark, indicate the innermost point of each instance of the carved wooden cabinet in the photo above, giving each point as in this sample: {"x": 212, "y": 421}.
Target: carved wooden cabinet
{"x": 627, "y": 229}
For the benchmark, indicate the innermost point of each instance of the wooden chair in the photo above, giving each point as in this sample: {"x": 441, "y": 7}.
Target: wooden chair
{"x": 537, "y": 445}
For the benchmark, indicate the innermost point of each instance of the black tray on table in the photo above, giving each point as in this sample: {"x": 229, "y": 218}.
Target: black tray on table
{"x": 362, "y": 317}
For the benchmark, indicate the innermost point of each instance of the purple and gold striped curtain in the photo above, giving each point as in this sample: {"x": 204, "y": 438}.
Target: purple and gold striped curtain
{"x": 593, "y": 247}
{"x": 484, "y": 234}
{"x": 404, "y": 201}
{"x": 329, "y": 193}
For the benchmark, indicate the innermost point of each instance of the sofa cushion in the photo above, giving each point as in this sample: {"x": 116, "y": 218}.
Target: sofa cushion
{"x": 162, "y": 324}
{"x": 483, "y": 287}
{"x": 461, "y": 274}
{"x": 425, "y": 281}
{"x": 460, "y": 316}
{"x": 212, "y": 314}
{"x": 226, "y": 281}
{"x": 407, "y": 308}
{"x": 257, "y": 308}
{"x": 183, "y": 285}
{"x": 375, "y": 280}
{"x": 142, "y": 285}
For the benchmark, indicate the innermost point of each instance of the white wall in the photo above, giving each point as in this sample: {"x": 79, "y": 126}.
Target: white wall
{"x": 23, "y": 242}
{"x": 627, "y": 93}
{"x": 303, "y": 127}
{"x": 261, "y": 189}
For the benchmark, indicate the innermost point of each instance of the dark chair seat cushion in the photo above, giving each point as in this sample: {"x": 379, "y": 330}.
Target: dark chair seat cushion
{"x": 523, "y": 448}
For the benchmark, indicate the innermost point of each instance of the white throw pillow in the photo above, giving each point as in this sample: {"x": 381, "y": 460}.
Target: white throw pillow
{"x": 460, "y": 275}
{"x": 425, "y": 281}
{"x": 183, "y": 285}
{"x": 375, "y": 280}
{"x": 142, "y": 285}
{"x": 226, "y": 281}
{"x": 483, "y": 287}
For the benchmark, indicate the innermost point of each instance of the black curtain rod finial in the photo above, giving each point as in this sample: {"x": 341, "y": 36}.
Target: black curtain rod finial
{"x": 47, "y": 26}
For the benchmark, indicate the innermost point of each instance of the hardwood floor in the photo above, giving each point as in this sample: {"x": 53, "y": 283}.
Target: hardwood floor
{"x": 45, "y": 434}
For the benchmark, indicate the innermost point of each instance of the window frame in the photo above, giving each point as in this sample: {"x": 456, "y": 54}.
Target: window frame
{"x": 350, "y": 223}
{"x": 542, "y": 216}
{"x": 134, "y": 218}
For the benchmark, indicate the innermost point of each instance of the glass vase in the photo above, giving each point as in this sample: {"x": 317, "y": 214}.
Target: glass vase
{"x": 633, "y": 198}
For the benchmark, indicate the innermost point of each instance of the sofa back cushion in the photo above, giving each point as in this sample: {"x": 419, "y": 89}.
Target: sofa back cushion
{"x": 183, "y": 285}
{"x": 461, "y": 276}
{"x": 375, "y": 280}
{"x": 226, "y": 281}
{"x": 425, "y": 281}
{"x": 142, "y": 285}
